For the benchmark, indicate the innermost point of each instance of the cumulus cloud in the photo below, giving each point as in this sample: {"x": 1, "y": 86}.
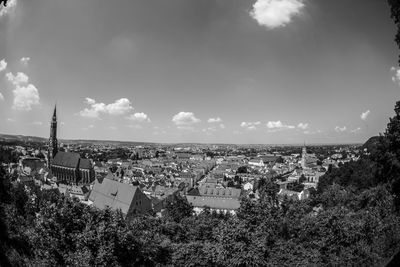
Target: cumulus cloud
{"x": 3, "y": 65}
{"x": 25, "y": 94}
{"x": 214, "y": 120}
{"x": 340, "y": 129}
{"x": 250, "y": 125}
{"x": 25, "y": 60}
{"x": 278, "y": 125}
{"x": 396, "y": 75}
{"x": 18, "y": 79}
{"x": 302, "y": 126}
{"x": 37, "y": 123}
{"x": 222, "y": 126}
{"x": 1, "y": 96}
{"x": 119, "y": 107}
{"x": 25, "y": 97}
{"x": 275, "y": 13}
{"x": 7, "y": 9}
{"x": 10, "y": 120}
{"x": 356, "y": 130}
{"x": 364, "y": 115}
{"x": 139, "y": 117}
{"x": 184, "y": 119}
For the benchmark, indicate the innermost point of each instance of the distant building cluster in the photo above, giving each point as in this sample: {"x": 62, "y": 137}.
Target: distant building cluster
{"x": 142, "y": 178}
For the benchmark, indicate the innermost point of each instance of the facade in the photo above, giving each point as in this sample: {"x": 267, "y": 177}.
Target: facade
{"x": 70, "y": 168}
{"x": 219, "y": 199}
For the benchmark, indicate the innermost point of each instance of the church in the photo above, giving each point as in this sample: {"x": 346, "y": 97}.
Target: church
{"x": 67, "y": 167}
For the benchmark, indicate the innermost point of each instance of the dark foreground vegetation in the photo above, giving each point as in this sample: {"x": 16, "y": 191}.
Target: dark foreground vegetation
{"x": 352, "y": 219}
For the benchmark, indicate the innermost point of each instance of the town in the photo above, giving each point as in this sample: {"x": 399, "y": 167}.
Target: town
{"x": 142, "y": 178}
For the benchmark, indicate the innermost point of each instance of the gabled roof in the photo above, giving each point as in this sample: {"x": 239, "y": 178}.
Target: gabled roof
{"x": 66, "y": 159}
{"x": 113, "y": 194}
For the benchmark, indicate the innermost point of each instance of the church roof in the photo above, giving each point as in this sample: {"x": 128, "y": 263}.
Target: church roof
{"x": 113, "y": 194}
{"x": 66, "y": 159}
{"x": 85, "y": 164}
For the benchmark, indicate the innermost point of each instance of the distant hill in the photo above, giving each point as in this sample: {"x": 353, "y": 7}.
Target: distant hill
{"x": 21, "y": 138}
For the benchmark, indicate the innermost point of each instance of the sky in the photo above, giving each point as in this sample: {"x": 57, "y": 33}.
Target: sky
{"x": 209, "y": 71}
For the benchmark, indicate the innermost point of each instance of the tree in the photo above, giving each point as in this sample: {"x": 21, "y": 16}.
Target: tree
{"x": 242, "y": 169}
{"x": 178, "y": 208}
{"x": 395, "y": 14}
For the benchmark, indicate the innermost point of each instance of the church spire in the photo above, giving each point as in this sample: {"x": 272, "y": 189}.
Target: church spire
{"x": 53, "y": 145}
{"x": 55, "y": 112}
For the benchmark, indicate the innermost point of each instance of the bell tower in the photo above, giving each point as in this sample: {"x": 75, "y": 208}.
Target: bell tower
{"x": 53, "y": 146}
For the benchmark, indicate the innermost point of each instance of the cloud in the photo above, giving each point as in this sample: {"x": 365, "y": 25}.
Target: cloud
{"x": 1, "y": 97}
{"x": 275, "y": 13}
{"x": 25, "y": 60}
{"x": 10, "y": 7}
{"x": 250, "y": 125}
{"x": 312, "y": 132}
{"x": 186, "y": 128}
{"x": 364, "y": 115}
{"x": 210, "y": 130}
{"x": 302, "y": 126}
{"x": 135, "y": 126}
{"x": 222, "y": 126}
{"x": 3, "y": 65}
{"x": 119, "y": 107}
{"x": 18, "y": 79}
{"x": 112, "y": 128}
{"x": 340, "y": 129}
{"x": 139, "y": 116}
{"x": 26, "y": 95}
{"x": 184, "y": 119}
{"x": 10, "y": 120}
{"x": 278, "y": 125}
{"x": 356, "y": 130}
{"x": 214, "y": 120}
{"x": 396, "y": 75}
{"x": 37, "y": 123}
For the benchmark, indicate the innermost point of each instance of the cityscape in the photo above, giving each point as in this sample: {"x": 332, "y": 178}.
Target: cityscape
{"x": 199, "y": 133}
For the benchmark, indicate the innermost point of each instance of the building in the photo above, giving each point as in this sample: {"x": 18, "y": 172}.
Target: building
{"x": 219, "y": 199}
{"x": 70, "y": 168}
{"x": 258, "y": 162}
{"x": 119, "y": 196}
{"x": 67, "y": 167}
{"x": 53, "y": 144}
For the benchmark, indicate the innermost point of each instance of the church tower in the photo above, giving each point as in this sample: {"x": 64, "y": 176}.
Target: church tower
{"x": 304, "y": 156}
{"x": 53, "y": 146}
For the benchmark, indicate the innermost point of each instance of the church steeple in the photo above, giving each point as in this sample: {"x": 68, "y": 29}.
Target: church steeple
{"x": 53, "y": 145}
